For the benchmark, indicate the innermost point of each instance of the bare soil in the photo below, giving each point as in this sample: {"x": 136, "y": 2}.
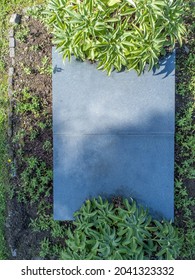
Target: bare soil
{"x": 23, "y": 242}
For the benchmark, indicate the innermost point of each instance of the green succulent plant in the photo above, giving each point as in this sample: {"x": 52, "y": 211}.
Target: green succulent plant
{"x": 104, "y": 232}
{"x": 116, "y": 33}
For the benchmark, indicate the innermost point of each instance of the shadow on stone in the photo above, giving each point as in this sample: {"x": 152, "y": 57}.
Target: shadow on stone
{"x": 167, "y": 66}
{"x": 57, "y": 69}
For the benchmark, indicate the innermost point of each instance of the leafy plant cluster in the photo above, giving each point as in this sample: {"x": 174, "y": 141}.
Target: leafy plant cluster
{"x": 104, "y": 232}
{"x": 45, "y": 67}
{"x": 185, "y": 140}
{"x": 21, "y": 33}
{"x": 116, "y": 33}
{"x": 185, "y": 137}
{"x": 27, "y": 102}
{"x": 35, "y": 181}
{"x": 4, "y": 182}
{"x": 52, "y": 245}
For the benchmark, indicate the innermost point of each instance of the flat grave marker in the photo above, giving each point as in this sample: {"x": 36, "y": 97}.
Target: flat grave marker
{"x": 113, "y": 136}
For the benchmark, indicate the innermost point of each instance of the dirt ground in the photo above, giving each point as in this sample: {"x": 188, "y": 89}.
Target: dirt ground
{"x": 23, "y": 242}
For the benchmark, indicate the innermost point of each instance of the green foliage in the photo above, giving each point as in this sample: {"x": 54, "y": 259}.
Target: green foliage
{"x": 47, "y": 145}
{"x": 27, "y": 102}
{"x": 33, "y": 134}
{"x": 116, "y": 33}
{"x": 19, "y": 137}
{"x": 35, "y": 181}
{"x": 49, "y": 249}
{"x": 37, "y": 11}
{"x": 4, "y": 182}
{"x": 42, "y": 125}
{"x": 185, "y": 140}
{"x": 188, "y": 248}
{"x": 45, "y": 67}
{"x": 46, "y": 223}
{"x": 185, "y": 137}
{"x": 185, "y": 204}
{"x": 55, "y": 230}
{"x": 27, "y": 70}
{"x": 22, "y": 32}
{"x": 125, "y": 233}
{"x": 2, "y": 65}
{"x": 35, "y": 48}
{"x": 168, "y": 240}
{"x": 45, "y": 247}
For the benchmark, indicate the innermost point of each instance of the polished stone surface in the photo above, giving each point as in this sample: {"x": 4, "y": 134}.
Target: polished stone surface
{"x": 113, "y": 136}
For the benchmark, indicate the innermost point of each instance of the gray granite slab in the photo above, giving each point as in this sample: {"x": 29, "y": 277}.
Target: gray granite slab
{"x": 113, "y": 136}
{"x": 128, "y": 165}
{"x": 88, "y": 101}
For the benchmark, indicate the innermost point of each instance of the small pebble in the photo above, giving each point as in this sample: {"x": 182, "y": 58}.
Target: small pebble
{"x": 11, "y": 32}
{"x": 187, "y": 50}
{"x": 37, "y": 258}
{"x": 11, "y": 71}
{"x": 12, "y": 42}
{"x": 10, "y": 93}
{"x": 10, "y": 81}
{"x": 13, "y": 61}
{"x": 14, "y": 252}
{"x": 15, "y": 19}
{"x": 12, "y": 52}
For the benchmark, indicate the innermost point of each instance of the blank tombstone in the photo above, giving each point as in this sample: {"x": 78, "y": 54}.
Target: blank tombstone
{"x": 113, "y": 136}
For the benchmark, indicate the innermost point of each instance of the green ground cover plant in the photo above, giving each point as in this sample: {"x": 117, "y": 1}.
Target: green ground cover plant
{"x": 123, "y": 233}
{"x": 4, "y": 160}
{"x": 27, "y": 103}
{"x": 45, "y": 68}
{"x": 185, "y": 139}
{"x": 35, "y": 181}
{"x": 116, "y": 33}
{"x": 22, "y": 33}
